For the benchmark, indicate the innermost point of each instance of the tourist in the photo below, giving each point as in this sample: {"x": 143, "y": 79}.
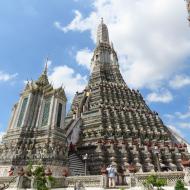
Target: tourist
{"x": 111, "y": 175}
{"x": 126, "y": 175}
{"x": 103, "y": 170}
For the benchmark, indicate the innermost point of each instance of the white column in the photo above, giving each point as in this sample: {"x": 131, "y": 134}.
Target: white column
{"x": 40, "y": 113}
{"x": 36, "y": 111}
{"x": 51, "y": 111}
{"x": 27, "y": 111}
{"x": 55, "y": 110}
{"x": 12, "y": 117}
{"x": 17, "y": 113}
{"x": 63, "y": 114}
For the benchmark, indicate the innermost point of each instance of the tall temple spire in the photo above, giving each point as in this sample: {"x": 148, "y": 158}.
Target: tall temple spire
{"x": 102, "y": 33}
{"x": 104, "y": 63}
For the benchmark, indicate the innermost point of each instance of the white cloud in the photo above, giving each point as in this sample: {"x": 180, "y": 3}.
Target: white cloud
{"x": 58, "y": 25}
{"x": 169, "y": 116}
{"x": 184, "y": 125}
{"x": 179, "y": 81}
{"x": 183, "y": 116}
{"x": 4, "y": 77}
{"x": 153, "y": 35}
{"x": 1, "y": 135}
{"x": 163, "y": 96}
{"x": 74, "y": 25}
{"x": 83, "y": 57}
{"x": 66, "y": 76}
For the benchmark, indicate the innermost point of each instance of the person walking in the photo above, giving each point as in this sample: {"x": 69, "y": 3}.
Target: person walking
{"x": 111, "y": 175}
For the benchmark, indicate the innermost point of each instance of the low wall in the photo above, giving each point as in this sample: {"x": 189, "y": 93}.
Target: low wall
{"x": 171, "y": 177}
{"x": 23, "y": 182}
{"x": 87, "y": 181}
{"x": 98, "y": 181}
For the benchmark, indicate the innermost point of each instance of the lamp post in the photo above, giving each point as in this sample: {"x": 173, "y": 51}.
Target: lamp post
{"x": 85, "y": 157}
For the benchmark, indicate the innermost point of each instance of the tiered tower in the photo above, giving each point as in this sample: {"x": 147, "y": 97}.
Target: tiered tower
{"x": 188, "y": 9}
{"x": 35, "y": 133}
{"x": 113, "y": 124}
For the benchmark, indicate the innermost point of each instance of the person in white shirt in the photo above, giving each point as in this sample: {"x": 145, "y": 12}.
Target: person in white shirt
{"x": 111, "y": 175}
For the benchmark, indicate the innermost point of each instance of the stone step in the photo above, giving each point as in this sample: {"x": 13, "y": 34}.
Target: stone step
{"x": 76, "y": 168}
{"x": 119, "y": 187}
{"x": 76, "y": 161}
{"x": 79, "y": 168}
{"x": 77, "y": 171}
{"x": 76, "y": 165}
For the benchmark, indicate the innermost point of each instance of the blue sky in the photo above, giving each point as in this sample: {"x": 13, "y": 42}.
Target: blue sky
{"x": 152, "y": 40}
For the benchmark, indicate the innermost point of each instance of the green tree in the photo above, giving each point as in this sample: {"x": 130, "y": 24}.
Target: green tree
{"x": 40, "y": 178}
{"x": 155, "y": 181}
{"x": 180, "y": 185}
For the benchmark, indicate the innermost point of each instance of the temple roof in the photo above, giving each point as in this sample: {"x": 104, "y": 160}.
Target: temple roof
{"x": 42, "y": 85}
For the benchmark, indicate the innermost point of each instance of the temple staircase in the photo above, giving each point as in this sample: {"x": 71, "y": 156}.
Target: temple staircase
{"x": 73, "y": 130}
{"x": 71, "y": 126}
{"x": 76, "y": 165}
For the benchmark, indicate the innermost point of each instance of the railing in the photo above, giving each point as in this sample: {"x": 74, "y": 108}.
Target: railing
{"x": 6, "y": 183}
{"x": 171, "y": 177}
{"x": 72, "y": 125}
{"x": 87, "y": 181}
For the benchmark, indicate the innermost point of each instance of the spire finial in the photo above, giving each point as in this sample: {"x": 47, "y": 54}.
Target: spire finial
{"x": 102, "y": 20}
{"x": 46, "y": 66}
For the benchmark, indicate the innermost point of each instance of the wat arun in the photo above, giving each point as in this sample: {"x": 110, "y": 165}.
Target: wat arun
{"x": 108, "y": 123}
{"x": 113, "y": 124}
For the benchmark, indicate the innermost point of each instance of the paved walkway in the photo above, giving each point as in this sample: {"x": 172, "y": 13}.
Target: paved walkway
{"x": 136, "y": 188}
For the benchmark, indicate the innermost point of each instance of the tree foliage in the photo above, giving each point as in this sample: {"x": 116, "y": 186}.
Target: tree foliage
{"x": 41, "y": 181}
{"x": 180, "y": 185}
{"x": 155, "y": 181}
